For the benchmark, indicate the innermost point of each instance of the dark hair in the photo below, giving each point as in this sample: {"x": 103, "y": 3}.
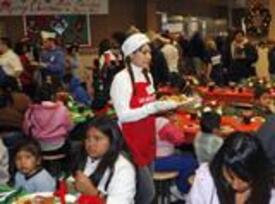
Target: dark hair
{"x": 238, "y": 32}
{"x": 29, "y": 145}
{"x": 110, "y": 128}
{"x": 242, "y": 154}
{"x": 119, "y": 37}
{"x": 259, "y": 91}
{"x": 45, "y": 92}
{"x": 209, "y": 121}
{"x": 21, "y": 48}
{"x": 131, "y": 73}
{"x": 71, "y": 48}
{"x": 6, "y": 41}
{"x": 176, "y": 81}
{"x": 104, "y": 45}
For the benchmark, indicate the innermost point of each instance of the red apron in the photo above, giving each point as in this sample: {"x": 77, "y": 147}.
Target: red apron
{"x": 140, "y": 135}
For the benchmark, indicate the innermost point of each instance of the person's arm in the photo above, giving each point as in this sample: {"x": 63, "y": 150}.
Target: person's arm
{"x": 203, "y": 190}
{"x": 84, "y": 185}
{"x": 121, "y": 93}
{"x": 122, "y": 188}
{"x": 57, "y": 64}
{"x": 171, "y": 133}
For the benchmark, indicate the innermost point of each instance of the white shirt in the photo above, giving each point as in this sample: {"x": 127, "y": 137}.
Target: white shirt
{"x": 171, "y": 55}
{"x": 11, "y": 63}
{"x": 121, "y": 94}
{"x": 203, "y": 190}
{"x": 122, "y": 187}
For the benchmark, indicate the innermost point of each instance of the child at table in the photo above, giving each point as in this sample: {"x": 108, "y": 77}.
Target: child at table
{"x": 169, "y": 135}
{"x": 31, "y": 176}
{"x": 263, "y": 104}
{"x": 207, "y": 143}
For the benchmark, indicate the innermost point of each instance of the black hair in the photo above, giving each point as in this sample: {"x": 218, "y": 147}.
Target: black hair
{"x": 238, "y": 32}
{"x": 131, "y": 73}
{"x": 119, "y": 37}
{"x": 104, "y": 45}
{"x": 209, "y": 121}
{"x": 109, "y": 128}
{"x": 45, "y": 92}
{"x": 176, "y": 81}
{"x": 29, "y": 145}
{"x": 242, "y": 154}
{"x": 6, "y": 41}
{"x": 259, "y": 91}
{"x": 21, "y": 48}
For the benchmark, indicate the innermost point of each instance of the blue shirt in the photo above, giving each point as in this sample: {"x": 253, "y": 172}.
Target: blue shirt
{"x": 41, "y": 181}
{"x": 55, "y": 60}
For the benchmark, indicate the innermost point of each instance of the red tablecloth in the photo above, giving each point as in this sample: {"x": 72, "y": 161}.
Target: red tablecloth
{"x": 226, "y": 95}
{"x": 191, "y": 126}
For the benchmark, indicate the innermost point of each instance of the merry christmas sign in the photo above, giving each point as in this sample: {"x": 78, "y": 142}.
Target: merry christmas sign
{"x": 52, "y": 7}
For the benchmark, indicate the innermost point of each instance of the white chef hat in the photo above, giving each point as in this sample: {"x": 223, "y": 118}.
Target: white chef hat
{"x": 133, "y": 43}
{"x": 47, "y": 35}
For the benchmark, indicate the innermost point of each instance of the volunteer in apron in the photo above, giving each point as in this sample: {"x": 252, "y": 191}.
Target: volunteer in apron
{"x": 133, "y": 96}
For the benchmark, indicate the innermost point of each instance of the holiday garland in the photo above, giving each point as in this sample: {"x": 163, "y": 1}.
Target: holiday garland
{"x": 257, "y": 20}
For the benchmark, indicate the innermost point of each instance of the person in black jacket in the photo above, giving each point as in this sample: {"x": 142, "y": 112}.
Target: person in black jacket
{"x": 243, "y": 55}
{"x": 271, "y": 57}
{"x": 159, "y": 68}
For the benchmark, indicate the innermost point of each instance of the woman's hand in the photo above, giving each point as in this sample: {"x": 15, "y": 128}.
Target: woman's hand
{"x": 84, "y": 185}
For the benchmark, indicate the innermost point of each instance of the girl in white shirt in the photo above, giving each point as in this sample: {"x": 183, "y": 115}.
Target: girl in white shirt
{"x": 100, "y": 169}
{"x": 239, "y": 173}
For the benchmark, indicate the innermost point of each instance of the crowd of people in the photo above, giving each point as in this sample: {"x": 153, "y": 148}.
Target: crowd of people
{"x": 116, "y": 156}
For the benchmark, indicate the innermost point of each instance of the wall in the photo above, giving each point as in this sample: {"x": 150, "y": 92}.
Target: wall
{"x": 122, "y": 14}
{"x": 193, "y": 8}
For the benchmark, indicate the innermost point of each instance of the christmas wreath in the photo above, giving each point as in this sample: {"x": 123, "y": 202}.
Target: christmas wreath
{"x": 258, "y": 20}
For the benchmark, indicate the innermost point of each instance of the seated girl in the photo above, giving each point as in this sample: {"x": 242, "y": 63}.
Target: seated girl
{"x": 101, "y": 169}
{"x": 239, "y": 173}
{"x": 168, "y": 135}
{"x": 46, "y": 120}
{"x": 30, "y": 175}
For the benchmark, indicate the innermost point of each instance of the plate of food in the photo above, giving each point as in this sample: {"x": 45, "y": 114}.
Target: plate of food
{"x": 36, "y": 198}
{"x": 182, "y": 100}
{"x": 225, "y": 129}
{"x": 43, "y": 198}
{"x": 258, "y": 118}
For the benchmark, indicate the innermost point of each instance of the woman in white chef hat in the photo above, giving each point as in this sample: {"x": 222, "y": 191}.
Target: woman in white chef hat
{"x": 133, "y": 96}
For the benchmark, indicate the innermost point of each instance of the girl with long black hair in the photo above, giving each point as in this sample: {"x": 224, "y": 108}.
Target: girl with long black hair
{"x": 100, "y": 168}
{"x": 240, "y": 173}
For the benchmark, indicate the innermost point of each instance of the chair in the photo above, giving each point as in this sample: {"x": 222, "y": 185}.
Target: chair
{"x": 163, "y": 181}
{"x": 56, "y": 161}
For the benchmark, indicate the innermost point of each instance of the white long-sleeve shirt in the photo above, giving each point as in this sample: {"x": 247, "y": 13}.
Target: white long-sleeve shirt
{"x": 121, "y": 94}
{"x": 122, "y": 187}
{"x": 11, "y": 64}
{"x": 204, "y": 191}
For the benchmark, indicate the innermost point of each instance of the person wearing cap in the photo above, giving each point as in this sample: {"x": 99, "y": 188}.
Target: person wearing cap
{"x": 10, "y": 63}
{"x": 53, "y": 57}
{"x": 133, "y": 96}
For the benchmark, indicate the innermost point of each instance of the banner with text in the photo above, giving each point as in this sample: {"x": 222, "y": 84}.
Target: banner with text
{"x": 53, "y": 7}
